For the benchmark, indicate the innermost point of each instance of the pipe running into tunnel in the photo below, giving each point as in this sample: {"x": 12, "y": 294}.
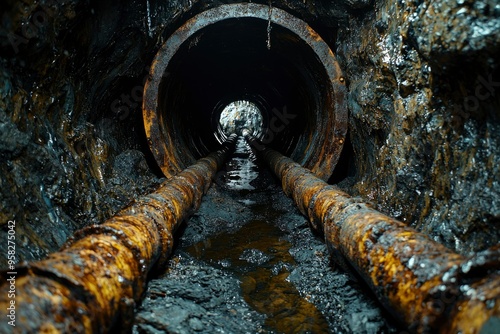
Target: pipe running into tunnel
{"x": 424, "y": 284}
{"x": 94, "y": 282}
{"x": 225, "y": 55}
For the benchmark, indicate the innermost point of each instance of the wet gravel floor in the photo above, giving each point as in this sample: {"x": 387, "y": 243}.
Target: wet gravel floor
{"x": 247, "y": 262}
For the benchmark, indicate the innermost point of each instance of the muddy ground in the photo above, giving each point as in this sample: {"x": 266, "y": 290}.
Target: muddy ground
{"x": 247, "y": 262}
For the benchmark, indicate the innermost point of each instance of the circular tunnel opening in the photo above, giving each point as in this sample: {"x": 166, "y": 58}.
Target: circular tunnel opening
{"x": 240, "y": 117}
{"x": 226, "y": 55}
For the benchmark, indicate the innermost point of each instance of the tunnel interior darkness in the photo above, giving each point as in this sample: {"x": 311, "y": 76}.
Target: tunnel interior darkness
{"x": 229, "y": 61}
{"x": 300, "y": 98}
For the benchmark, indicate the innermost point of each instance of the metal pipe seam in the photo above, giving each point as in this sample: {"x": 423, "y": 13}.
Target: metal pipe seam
{"x": 424, "y": 284}
{"x": 93, "y": 283}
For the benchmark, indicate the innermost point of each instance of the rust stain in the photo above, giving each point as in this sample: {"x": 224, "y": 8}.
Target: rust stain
{"x": 314, "y": 34}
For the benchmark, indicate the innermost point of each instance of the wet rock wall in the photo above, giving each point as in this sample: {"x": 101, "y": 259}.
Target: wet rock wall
{"x": 69, "y": 125}
{"x": 424, "y": 115}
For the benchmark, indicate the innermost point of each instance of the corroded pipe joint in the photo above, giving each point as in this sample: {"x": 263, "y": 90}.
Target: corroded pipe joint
{"x": 425, "y": 285}
{"x": 93, "y": 283}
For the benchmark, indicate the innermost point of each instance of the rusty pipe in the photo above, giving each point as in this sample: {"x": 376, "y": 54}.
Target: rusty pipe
{"x": 93, "y": 283}
{"x": 421, "y": 282}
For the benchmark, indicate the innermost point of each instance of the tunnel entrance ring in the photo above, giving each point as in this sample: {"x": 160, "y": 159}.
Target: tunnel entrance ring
{"x": 222, "y": 55}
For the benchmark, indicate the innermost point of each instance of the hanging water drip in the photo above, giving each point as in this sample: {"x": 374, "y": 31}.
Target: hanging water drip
{"x": 270, "y": 14}
{"x": 148, "y": 8}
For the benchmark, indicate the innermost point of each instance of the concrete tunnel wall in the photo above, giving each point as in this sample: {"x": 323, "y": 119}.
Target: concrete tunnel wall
{"x": 422, "y": 81}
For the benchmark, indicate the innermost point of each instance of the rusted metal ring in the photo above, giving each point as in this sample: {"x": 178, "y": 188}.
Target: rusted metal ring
{"x": 322, "y": 148}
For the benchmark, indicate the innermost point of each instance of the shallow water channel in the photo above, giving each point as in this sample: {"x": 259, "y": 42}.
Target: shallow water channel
{"x": 247, "y": 262}
{"x": 260, "y": 258}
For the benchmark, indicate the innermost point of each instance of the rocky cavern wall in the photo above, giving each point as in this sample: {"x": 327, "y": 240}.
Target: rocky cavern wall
{"x": 424, "y": 115}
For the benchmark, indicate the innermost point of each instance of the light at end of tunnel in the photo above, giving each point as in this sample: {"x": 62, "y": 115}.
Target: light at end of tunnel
{"x": 242, "y": 118}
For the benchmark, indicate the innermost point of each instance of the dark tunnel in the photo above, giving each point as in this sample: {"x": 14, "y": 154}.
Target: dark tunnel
{"x": 295, "y": 82}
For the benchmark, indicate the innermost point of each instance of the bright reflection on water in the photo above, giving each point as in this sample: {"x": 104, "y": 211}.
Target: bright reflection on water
{"x": 241, "y": 169}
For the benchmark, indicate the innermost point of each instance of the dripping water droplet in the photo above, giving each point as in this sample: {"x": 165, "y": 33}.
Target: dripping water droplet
{"x": 270, "y": 14}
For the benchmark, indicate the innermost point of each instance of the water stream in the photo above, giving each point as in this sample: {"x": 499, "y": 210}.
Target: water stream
{"x": 241, "y": 170}
{"x": 259, "y": 256}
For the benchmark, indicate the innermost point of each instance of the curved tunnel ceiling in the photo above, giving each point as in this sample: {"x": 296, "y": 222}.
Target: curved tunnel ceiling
{"x": 221, "y": 56}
